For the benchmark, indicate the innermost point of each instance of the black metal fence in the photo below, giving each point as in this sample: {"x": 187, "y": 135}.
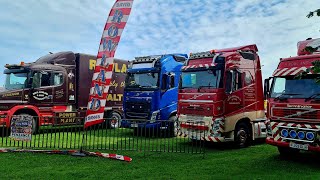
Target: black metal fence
{"x": 103, "y": 137}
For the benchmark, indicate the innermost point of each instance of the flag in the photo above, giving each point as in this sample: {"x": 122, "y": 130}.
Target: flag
{"x": 113, "y": 29}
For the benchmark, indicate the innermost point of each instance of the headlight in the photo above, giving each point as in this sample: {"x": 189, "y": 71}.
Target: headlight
{"x": 154, "y": 116}
{"x": 310, "y": 136}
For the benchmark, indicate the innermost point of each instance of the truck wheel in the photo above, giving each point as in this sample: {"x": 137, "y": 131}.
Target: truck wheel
{"x": 115, "y": 121}
{"x": 287, "y": 152}
{"x": 242, "y": 135}
{"x": 34, "y": 123}
{"x": 174, "y": 126}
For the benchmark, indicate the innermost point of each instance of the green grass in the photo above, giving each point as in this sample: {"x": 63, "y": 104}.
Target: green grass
{"x": 259, "y": 161}
{"x": 256, "y": 162}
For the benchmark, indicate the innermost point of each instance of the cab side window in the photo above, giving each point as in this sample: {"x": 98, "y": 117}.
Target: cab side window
{"x": 233, "y": 81}
{"x": 229, "y": 81}
{"x": 57, "y": 79}
{"x": 237, "y": 80}
{"x": 44, "y": 79}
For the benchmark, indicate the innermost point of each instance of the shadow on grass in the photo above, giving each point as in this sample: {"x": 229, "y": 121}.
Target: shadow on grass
{"x": 310, "y": 159}
{"x": 224, "y": 146}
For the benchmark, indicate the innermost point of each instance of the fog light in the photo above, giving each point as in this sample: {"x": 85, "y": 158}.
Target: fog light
{"x": 293, "y": 134}
{"x": 310, "y": 136}
{"x": 301, "y": 135}
{"x": 284, "y": 133}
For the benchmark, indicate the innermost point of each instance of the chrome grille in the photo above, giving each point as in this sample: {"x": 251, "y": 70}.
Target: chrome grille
{"x": 296, "y": 113}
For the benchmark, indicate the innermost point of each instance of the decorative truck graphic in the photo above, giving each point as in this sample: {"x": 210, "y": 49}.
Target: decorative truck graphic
{"x": 293, "y": 109}
{"x": 101, "y": 79}
{"x": 221, "y": 97}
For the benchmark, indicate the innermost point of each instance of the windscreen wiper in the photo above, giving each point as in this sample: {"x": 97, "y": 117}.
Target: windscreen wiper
{"x": 209, "y": 86}
{"x": 185, "y": 87}
{"x": 313, "y": 96}
{"x": 134, "y": 86}
{"x": 284, "y": 94}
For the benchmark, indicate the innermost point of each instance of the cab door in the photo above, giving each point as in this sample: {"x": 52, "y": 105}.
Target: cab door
{"x": 234, "y": 92}
{"x": 41, "y": 91}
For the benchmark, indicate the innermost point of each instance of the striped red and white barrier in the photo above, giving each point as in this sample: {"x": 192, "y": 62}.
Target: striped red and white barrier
{"x": 71, "y": 152}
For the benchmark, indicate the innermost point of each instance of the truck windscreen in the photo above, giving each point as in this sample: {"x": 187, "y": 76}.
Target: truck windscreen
{"x": 205, "y": 78}
{"x": 15, "y": 81}
{"x": 142, "y": 80}
{"x": 292, "y": 87}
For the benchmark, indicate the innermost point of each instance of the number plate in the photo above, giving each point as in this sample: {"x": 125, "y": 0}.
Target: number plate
{"x": 134, "y": 125}
{"x": 299, "y": 146}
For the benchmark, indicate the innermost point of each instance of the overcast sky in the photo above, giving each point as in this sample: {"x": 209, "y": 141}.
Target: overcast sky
{"x": 32, "y": 28}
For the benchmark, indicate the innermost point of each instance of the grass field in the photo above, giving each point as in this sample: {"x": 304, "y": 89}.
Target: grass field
{"x": 104, "y": 139}
{"x": 256, "y": 162}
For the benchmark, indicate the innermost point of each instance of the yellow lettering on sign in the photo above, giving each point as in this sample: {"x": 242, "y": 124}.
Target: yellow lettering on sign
{"x": 110, "y": 98}
{"x": 114, "y": 97}
{"x": 92, "y": 64}
{"x": 116, "y": 68}
{"x": 120, "y": 97}
{"x": 124, "y": 68}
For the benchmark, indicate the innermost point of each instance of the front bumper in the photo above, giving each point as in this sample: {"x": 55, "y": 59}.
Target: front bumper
{"x": 271, "y": 141}
{"x": 201, "y": 135}
{"x": 144, "y": 124}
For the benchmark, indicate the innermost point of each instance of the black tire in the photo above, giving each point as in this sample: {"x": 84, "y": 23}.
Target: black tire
{"x": 35, "y": 126}
{"x": 242, "y": 136}
{"x": 174, "y": 125}
{"x": 115, "y": 121}
{"x": 287, "y": 152}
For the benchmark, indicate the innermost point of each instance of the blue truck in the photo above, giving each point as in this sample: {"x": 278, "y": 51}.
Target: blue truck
{"x": 151, "y": 92}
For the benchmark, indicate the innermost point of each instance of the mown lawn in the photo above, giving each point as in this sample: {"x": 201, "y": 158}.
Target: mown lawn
{"x": 256, "y": 162}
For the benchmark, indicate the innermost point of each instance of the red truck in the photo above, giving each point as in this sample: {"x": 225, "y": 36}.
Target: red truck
{"x": 221, "y": 96}
{"x": 293, "y": 109}
{"x": 55, "y": 89}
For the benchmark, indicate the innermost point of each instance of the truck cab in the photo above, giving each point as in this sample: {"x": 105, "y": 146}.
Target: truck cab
{"x": 293, "y": 109}
{"x": 221, "y": 96}
{"x": 151, "y": 91}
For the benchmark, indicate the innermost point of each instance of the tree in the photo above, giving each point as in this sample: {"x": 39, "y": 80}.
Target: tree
{"x": 316, "y": 64}
{"x": 311, "y": 14}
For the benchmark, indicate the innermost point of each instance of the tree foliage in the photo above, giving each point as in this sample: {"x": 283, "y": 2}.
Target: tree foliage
{"x": 312, "y": 13}
{"x": 316, "y": 64}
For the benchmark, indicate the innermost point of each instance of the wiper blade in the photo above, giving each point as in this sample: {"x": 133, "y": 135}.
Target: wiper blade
{"x": 186, "y": 87}
{"x": 283, "y": 94}
{"x": 209, "y": 86}
{"x": 313, "y": 96}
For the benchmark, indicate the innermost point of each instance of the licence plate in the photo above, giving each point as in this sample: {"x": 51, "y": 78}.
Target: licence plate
{"x": 299, "y": 146}
{"x": 134, "y": 125}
